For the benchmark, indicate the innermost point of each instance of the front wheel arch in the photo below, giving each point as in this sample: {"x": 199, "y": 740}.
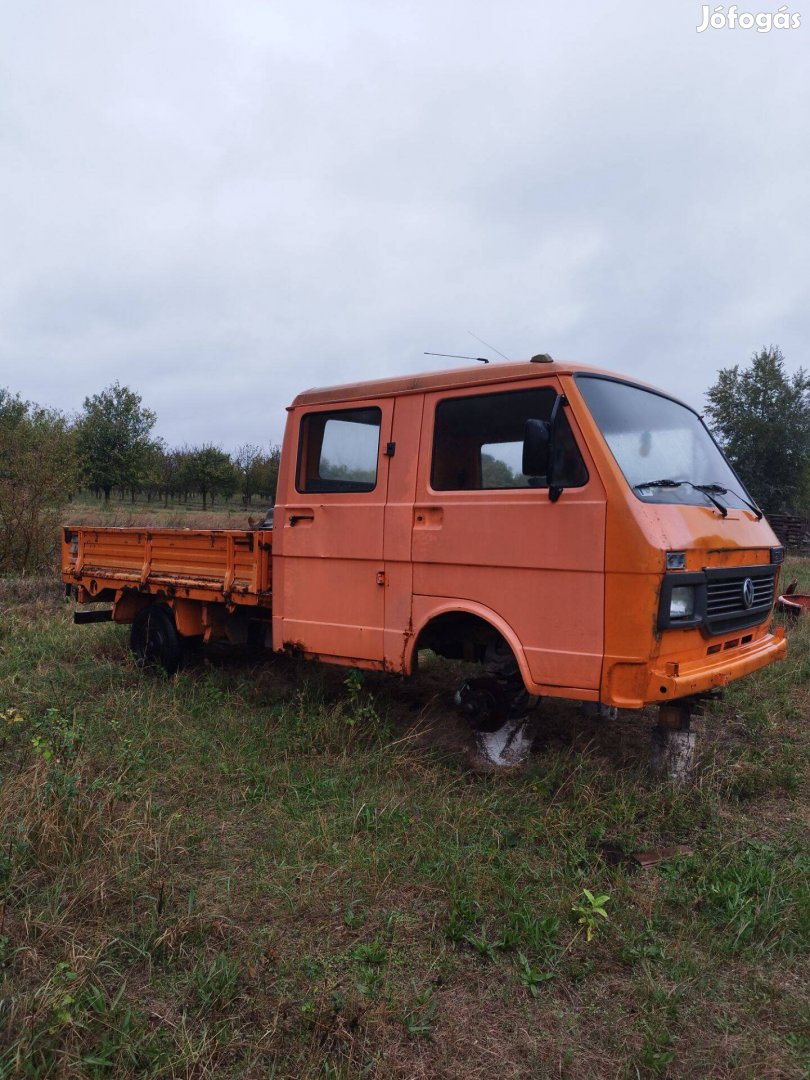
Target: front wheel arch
{"x": 477, "y": 626}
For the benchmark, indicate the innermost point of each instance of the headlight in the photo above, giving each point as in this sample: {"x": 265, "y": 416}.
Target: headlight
{"x": 682, "y": 602}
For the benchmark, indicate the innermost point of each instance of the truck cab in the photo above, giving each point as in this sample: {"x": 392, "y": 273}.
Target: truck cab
{"x": 585, "y": 521}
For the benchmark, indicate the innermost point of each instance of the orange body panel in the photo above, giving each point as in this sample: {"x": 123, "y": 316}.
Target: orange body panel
{"x": 503, "y": 551}
{"x": 329, "y": 547}
{"x": 358, "y": 572}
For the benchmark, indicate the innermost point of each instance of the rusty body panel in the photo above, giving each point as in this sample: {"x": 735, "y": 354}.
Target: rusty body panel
{"x": 378, "y": 553}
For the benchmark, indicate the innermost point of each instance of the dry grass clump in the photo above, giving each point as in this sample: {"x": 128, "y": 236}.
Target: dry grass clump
{"x": 78, "y": 835}
{"x": 37, "y": 591}
{"x": 79, "y": 864}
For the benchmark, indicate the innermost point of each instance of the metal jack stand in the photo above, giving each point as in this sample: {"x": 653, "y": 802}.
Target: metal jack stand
{"x": 673, "y": 743}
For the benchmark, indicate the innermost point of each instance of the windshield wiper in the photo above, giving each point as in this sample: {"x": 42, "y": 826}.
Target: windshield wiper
{"x": 709, "y": 490}
{"x": 661, "y": 483}
{"x": 718, "y": 489}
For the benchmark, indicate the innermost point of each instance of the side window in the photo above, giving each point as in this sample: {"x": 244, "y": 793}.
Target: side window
{"x": 338, "y": 451}
{"x": 478, "y": 442}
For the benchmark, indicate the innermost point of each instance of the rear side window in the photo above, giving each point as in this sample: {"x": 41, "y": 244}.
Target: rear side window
{"x": 478, "y": 442}
{"x": 338, "y": 451}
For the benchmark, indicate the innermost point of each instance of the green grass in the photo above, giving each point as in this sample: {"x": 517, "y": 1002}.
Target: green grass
{"x": 270, "y": 870}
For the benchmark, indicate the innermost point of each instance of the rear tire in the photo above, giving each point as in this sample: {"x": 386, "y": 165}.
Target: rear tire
{"x": 154, "y": 640}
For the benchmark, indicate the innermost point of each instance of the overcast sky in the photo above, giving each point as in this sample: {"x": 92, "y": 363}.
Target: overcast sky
{"x": 220, "y": 204}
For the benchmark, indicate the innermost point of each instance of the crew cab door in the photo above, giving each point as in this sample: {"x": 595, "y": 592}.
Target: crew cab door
{"x": 488, "y": 540}
{"x": 328, "y": 569}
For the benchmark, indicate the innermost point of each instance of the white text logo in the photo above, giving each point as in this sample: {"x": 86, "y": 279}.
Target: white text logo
{"x": 763, "y": 21}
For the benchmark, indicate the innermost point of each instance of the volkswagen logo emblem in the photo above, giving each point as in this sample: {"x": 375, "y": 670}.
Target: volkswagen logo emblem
{"x": 748, "y": 592}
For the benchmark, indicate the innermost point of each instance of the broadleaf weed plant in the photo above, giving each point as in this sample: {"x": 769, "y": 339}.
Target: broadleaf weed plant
{"x": 589, "y": 911}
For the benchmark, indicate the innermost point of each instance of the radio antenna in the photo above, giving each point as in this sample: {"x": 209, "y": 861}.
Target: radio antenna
{"x": 455, "y": 356}
{"x": 498, "y": 351}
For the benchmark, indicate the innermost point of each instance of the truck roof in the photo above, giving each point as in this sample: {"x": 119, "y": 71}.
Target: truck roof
{"x": 440, "y": 380}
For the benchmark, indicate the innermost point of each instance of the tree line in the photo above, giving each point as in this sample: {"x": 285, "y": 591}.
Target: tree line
{"x": 109, "y": 449}
{"x": 759, "y": 414}
{"x": 116, "y": 452}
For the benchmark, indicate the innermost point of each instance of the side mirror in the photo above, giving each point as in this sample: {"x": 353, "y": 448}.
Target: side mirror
{"x": 537, "y": 440}
{"x": 539, "y": 449}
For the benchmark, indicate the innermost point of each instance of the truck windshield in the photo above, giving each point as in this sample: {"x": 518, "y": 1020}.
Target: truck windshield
{"x": 661, "y": 446}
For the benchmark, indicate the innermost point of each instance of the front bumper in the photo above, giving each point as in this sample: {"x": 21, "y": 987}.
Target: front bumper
{"x": 632, "y": 686}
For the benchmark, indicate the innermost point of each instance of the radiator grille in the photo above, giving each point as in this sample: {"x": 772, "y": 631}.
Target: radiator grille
{"x": 733, "y": 605}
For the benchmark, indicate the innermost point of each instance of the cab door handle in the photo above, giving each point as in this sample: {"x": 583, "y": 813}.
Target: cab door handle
{"x": 428, "y": 517}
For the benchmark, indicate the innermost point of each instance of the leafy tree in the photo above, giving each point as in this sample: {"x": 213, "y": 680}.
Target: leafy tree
{"x": 153, "y": 471}
{"x": 38, "y": 473}
{"x": 247, "y": 461}
{"x": 113, "y": 439}
{"x": 761, "y": 417}
{"x": 171, "y": 474}
{"x": 497, "y": 474}
{"x": 266, "y": 480}
{"x": 182, "y": 470}
{"x": 210, "y": 472}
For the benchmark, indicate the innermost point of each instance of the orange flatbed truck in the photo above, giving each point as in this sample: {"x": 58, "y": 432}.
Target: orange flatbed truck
{"x": 579, "y": 533}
